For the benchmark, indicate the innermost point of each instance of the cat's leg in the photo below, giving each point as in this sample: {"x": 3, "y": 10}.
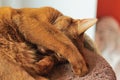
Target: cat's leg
{"x": 33, "y": 64}
{"x": 44, "y": 34}
{"x": 44, "y": 65}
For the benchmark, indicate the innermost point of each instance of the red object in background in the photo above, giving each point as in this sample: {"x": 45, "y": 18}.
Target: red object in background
{"x": 109, "y": 8}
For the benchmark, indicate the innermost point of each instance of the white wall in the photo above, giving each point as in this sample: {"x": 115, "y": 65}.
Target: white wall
{"x": 74, "y": 8}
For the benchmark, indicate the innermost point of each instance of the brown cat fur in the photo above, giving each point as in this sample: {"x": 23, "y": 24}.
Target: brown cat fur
{"x": 21, "y": 28}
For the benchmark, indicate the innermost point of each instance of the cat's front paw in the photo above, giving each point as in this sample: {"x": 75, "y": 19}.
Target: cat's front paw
{"x": 81, "y": 71}
{"x": 80, "y": 68}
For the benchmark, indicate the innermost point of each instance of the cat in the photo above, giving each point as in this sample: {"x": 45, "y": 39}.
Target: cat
{"x": 25, "y": 36}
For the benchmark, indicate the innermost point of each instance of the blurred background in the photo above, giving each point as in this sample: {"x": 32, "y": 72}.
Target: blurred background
{"x": 106, "y": 32}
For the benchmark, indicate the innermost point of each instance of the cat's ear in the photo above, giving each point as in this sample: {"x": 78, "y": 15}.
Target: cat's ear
{"x": 84, "y": 24}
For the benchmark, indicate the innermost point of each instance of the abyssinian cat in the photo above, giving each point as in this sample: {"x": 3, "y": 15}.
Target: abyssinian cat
{"x": 25, "y": 36}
